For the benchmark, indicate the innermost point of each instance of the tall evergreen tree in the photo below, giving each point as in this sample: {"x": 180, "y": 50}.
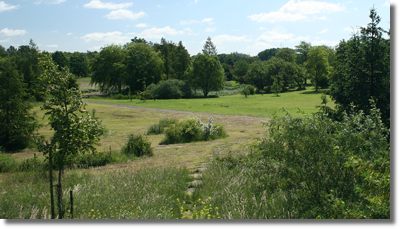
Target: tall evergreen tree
{"x": 17, "y": 122}
{"x": 209, "y": 47}
{"x": 362, "y": 70}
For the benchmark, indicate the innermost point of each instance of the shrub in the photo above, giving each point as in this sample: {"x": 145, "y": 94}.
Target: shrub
{"x": 160, "y": 127}
{"x": 32, "y": 164}
{"x": 170, "y": 89}
{"x": 248, "y": 90}
{"x": 191, "y": 130}
{"x": 335, "y": 169}
{"x": 137, "y": 146}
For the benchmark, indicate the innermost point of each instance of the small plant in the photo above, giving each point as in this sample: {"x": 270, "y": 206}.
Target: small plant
{"x": 277, "y": 86}
{"x": 248, "y": 90}
{"x": 137, "y": 146}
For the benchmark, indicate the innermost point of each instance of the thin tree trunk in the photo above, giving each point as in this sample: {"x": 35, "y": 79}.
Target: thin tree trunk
{"x": 60, "y": 213}
{"x": 51, "y": 186}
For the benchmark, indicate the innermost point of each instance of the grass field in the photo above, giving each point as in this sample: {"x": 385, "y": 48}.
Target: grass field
{"x": 254, "y": 105}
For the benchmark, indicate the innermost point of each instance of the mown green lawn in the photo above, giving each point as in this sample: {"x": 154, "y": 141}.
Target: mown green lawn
{"x": 254, "y": 105}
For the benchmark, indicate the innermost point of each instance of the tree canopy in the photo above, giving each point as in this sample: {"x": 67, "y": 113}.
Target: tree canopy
{"x": 208, "y": 73}
{"x": 362, "y": 70}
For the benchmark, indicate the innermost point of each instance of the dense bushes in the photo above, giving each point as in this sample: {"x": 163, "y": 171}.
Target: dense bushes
{"x": 160, "y": 127}
{"x": 137, "y": 146}
{"x": 334, "y": 169}
{"x": 191, "y": 130}
{"x": 170, "y": 89}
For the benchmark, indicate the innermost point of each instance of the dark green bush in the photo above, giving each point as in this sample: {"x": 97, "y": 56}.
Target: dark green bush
{"x": 94, "y": 159}
{"x": 335, "y": 169}
{"x": 32, "y": 164}
{"x": 170, "y": 89}
{"x": 137, "y": 146}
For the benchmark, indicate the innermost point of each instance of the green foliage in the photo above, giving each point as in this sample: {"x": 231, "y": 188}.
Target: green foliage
{"x": 333, "y": 169}
{"x": 248, "y": 90}
{"x": 191, "y": 130}
{"x": 144, "y": 66}
{"x": 175, "y": 57}
{"x": 241, "y": 68}
{"x": 17, "y": 122}
{"x": 362, "y": 70}
{"x": 277, "y": 86}
{"x": 207, "y": 73}
{"x": 93, "y": 159}
{"x": 318, "y": 66}
{"x": 76, "y": 131}
{"x": 79, "y": 65}
{"x": 60, "y": 59}
{"x": 258, "y": 76}
{"x": 170, "y": 89}
{"x": 109, "y": 68}
{"x": 160, "y": 127}
{"x": 137, "y": 146}
{"x": 302, "y": 49}
{"x": 268, "y": 54}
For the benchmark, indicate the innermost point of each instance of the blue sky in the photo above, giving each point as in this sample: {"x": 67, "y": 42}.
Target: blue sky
{"x": 244, "y": 26}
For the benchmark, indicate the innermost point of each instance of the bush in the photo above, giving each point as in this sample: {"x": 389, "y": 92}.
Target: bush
{"x": 32, "y": 164}
{"x": 191, "y": 130}
{"x": 334, "y": 169}
{"x": 170, "y": 89}
{"x": 137, "y": 146}
{"x": 248, "y": 90}
{"x": 160, "y": 127}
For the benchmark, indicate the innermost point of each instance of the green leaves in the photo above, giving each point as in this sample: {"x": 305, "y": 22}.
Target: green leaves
{"x": 76, "y": 131}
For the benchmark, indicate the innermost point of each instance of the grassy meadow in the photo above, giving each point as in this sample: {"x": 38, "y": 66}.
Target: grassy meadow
{"x": 154, "y": 187}
{"x": 254, "y": 105}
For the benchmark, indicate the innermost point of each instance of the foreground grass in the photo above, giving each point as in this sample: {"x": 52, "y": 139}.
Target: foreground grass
{"x": 145, "y": 193}
{"x": 254, "y": 105}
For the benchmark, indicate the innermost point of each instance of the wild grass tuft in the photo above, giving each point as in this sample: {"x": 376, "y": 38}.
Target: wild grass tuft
{"x": 160, "y": 127}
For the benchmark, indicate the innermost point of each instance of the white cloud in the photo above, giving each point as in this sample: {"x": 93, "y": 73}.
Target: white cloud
{"x": 159, "y": 32}
{"x": 50, "y": 1}
{"x": 124, "y": 14}
{"x": 10, "y": 32}
{"x": 195, "y": 1}
{"x": 209, "y": 30}
{"x": 311, "y": 7}
{"x": 205, "y": 20}
{"x": 273, "y": 36}
{"x": 51, "y": 46}
{"x": 387, "y": 3}
{"x": 141, "y": 25}
{"x": 96, "y": 4}
{"x": 324, "y": 31}
{"x": 5, "y": 41}
{"x": 5, "y": 7}
{"x": 220, "y": 39}
{"x": 115, "y": 37}
{"x": 259, "y": 46}
{"x": 188, "y": 31}
{"x": 68, "y": 34}
{"x": 325, "y": 42}
{"x": 296, "y": 10}
{"x": 276, "y": 17}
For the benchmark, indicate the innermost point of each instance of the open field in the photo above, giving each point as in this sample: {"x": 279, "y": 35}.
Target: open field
{"x": 255, "y": 105}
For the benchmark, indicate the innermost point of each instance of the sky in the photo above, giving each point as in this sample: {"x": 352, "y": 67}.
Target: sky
{"x": 248, "y": 27}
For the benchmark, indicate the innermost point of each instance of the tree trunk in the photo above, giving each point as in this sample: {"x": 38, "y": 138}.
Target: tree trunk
{"x": 60, "y": 213}
{"x": 51, "y": 186}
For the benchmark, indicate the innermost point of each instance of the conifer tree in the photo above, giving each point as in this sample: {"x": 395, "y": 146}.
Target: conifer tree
{"x": 209, "y": 47}
{"x": 17, "y": 122}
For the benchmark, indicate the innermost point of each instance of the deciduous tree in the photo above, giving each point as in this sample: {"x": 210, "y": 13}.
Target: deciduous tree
{"x": 208, "y": 73}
